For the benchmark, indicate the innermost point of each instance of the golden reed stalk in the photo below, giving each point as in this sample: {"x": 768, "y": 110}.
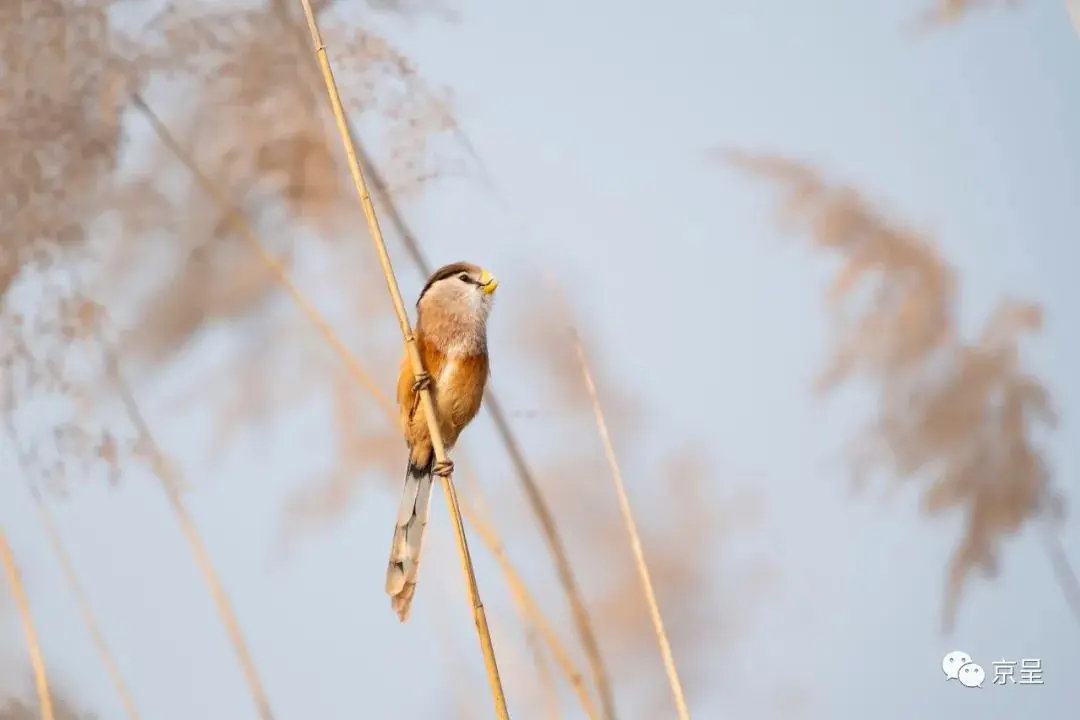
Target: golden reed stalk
{"x": 37, "y": 662}
{"x": 85, "y": 609}
{"x": 62, "y": 557}
{"x": 635, "y": 538}
{"x": 173, "y": 485}
{"x": 439, "y": 448}
{"x": 668, "y": 657}
{"x": 529, "y": 608}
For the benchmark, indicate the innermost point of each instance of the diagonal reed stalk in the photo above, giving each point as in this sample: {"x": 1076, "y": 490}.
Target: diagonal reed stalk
{"x": 631, "y": 527}
{"x": 480, "y": 616}
{"x": 530, "y": 609}
{"x": 37, "y": 661}
{"x": 1062, "y": 568}
{"x": 547, "y": 682}
{"x": 527, "y": 604}
{"x": 172, "y": 484}
{"x": 66, "y": 565}
{"x": 85, "y": 609}
{"x": 535, "y": 496}
{"x": 655, "y": 615}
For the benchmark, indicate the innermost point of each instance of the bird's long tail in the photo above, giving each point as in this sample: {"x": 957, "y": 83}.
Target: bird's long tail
{"x": 412, "y": 519}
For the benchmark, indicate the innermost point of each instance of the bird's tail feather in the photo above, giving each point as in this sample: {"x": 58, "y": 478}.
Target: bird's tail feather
{"x": 412, "y": 519}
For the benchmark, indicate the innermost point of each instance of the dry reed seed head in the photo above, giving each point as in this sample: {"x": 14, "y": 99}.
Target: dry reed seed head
{"x": 219, "y": 280}
{"x": 902, "y": 290}
{"x": 251, "y": 76}
{"x": 963, "y": 416}
{"x": 66, "y": 435}
{"x": 268, "y": 54}
{"x": 59, "y": 143}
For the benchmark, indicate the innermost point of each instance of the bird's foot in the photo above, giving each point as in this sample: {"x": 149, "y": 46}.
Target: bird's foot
{"x": 443, "y": 469}
{"x": 422, "y": 382}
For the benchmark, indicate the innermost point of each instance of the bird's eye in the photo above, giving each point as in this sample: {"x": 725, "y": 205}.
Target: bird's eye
{"x": 464, "y": 277}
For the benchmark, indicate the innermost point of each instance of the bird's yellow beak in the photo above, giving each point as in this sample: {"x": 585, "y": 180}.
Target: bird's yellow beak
{"x": 488, "y": 283}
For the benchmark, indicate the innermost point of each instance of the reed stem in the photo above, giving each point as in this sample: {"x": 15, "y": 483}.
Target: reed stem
{"x": 37, "y": 661}
{"x": 428, "y": 405}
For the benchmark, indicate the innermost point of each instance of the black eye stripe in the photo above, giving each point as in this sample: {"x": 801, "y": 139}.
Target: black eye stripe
{"x": 467, "y": 279}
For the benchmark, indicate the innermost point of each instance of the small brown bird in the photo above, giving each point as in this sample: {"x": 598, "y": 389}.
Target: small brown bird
{"x": 451, "y": 335}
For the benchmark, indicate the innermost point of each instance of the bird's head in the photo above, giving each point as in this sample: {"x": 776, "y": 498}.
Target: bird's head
{"x": 460, "y": 292}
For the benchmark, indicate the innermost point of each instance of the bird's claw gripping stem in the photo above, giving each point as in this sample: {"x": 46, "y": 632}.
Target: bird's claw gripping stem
{"x": 422, "y": 382}
{"x": 443, "y": 469}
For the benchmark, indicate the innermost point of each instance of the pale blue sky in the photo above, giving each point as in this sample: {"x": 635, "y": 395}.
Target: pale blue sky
{"x": 596, "y": 119}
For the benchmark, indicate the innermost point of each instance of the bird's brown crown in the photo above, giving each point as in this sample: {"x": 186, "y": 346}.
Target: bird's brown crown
{"x": 448, "y": 271}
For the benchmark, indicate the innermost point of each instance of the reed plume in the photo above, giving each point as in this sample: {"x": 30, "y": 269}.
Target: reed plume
{"x": 962, "y": 418}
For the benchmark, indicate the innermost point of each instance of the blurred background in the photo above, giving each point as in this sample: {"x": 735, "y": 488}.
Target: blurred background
{"x": 821, "y": 257}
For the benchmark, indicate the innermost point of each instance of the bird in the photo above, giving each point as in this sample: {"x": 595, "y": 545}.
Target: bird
{"x": 451, "y": 337}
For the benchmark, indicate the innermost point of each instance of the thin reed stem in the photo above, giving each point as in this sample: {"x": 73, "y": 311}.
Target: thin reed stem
{"x": 172, "y": 484}
{"x": 1063, "y": 569}
{"x": 631, "y": 528}
{"x": 547, "y": 682}
{"x": 66, "y": 565}
{"x": 37, "y": 661}
{"x": 532, "y": 611}
{"x": 85, "y": 609}
{"x": 438, "y": 447}
{"x": 57, "y": 544}
{"x": 609, "y": 450}
{"x": 537, "y": 501}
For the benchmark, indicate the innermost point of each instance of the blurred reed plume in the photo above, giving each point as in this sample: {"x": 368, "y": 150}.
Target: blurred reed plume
{"x": 960, "y": 417}
{"x": 58, "y": 130}
{"x": 250, "y": 77}
{"x": 61, "y": 139}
